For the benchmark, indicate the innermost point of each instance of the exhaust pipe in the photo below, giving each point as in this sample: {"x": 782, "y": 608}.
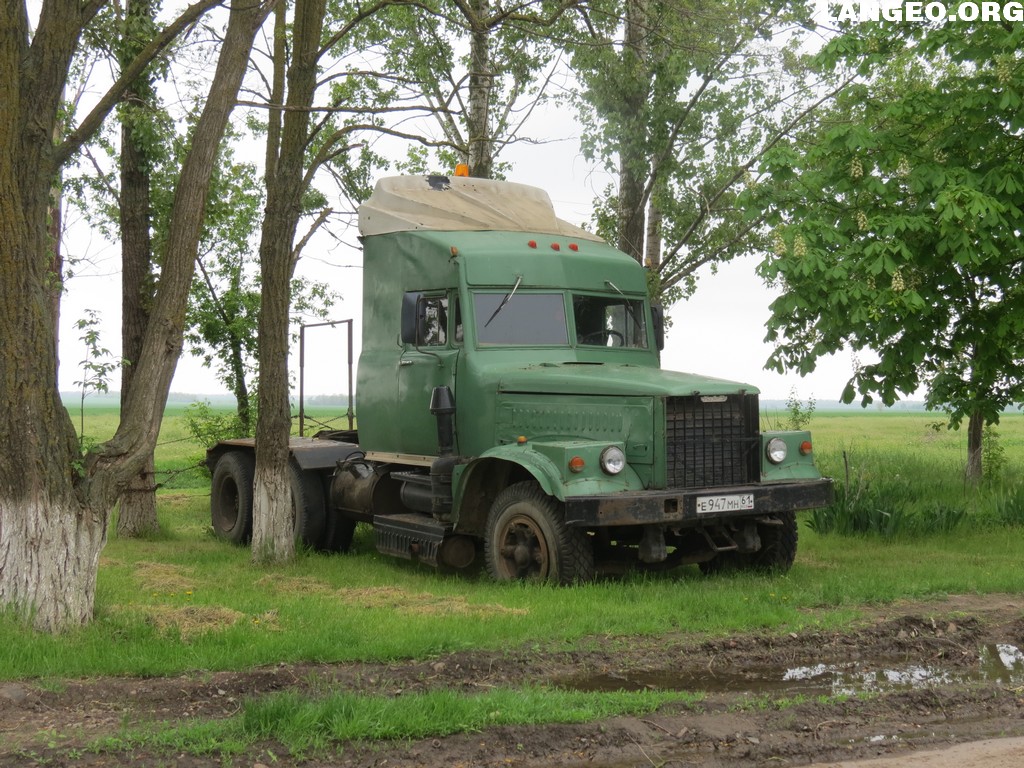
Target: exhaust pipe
{"x": 442, "y": 405}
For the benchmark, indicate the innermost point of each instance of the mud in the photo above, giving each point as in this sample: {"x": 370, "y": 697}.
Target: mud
{"x": 930, "y": 684}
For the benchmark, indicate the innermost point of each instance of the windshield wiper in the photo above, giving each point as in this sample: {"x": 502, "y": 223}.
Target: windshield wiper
{"x": 506, "y": 300}
{"x": 627, "y": 304}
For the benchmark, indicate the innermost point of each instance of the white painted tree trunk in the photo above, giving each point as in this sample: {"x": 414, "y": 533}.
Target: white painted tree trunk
{"x": 273, "y": 526}
{"x": 273, "y": 537}
{"x": 55, "y": 504}
{"x": 49, "y": 557}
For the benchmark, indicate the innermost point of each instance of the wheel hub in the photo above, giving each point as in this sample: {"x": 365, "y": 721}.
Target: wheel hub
{"x": 524, "y": 551}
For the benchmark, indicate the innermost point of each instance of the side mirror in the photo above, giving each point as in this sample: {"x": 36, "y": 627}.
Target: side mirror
{"x": 658, "y": 319}
{"x": 410, "y": 317}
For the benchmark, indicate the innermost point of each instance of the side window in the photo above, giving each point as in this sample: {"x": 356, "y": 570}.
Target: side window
{"x": 432, "y": 321}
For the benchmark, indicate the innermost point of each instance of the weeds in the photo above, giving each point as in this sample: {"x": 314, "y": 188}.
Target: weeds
{"x": 1009, "y": 507}
{"x": 308, "y": 726}
{"x": 864, "y": 506}
{"x": 993, "y": 454}
{"x": 885, "y": 504}
{"x": 940, "y": 518}
{"x": 799, "y": 413}
{"x": 886, "y": 510}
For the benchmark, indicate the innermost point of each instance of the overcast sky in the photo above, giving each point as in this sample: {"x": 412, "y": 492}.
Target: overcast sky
{"x": 718, "y": 332}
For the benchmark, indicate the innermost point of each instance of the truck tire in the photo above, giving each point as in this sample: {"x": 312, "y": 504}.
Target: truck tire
{"x": 527, "y": 539}
{"x": 776, "y": 555}
{"x": 778, "y": 545}
{"x": 308, "y": 509}
{"x": 231, "y": 497}
{"x": 338, "y": 533}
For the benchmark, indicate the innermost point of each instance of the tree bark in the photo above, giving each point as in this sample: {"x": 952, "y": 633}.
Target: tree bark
{"x": 49, "y": 540}
{"x": 633, "y": 160}
{"x": 273, "y": 536}
{"x": 652, "y": 248}
{"x": 975, "y": 442}
{"x": 478, "y": 123}
{"x": 137, "y": 512}
{"x": 243, "y": 405}
{"x": 54, "y": 508}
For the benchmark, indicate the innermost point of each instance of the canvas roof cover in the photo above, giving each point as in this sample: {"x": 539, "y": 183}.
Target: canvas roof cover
{"x": 442, "y": 203}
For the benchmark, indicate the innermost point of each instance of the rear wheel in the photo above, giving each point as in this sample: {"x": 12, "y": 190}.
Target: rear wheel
{"x": 231, "y": 497}
{"x": 338, "y": 533}
{"x": 307, "y": 507}
{"x": 527, "y": 539}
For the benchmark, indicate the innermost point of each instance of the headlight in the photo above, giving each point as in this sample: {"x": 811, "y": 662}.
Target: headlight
{"x": 776, "y": 450}
{"x": 613, "y": 460}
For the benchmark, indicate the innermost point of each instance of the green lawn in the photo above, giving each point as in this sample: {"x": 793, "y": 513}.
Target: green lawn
{"x": 185, "y": 602}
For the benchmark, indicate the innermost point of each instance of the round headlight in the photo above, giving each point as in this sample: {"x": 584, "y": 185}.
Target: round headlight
{"x": 776, "y": 450}
{"x": 613, "y": 460}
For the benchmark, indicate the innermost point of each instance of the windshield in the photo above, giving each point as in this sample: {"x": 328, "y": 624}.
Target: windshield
{"x": 520, "y": 318}
{"x": 538, "y": 319}
{"x": 609, "y": 321}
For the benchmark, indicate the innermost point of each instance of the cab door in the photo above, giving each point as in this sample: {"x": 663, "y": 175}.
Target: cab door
{"x": 431, "y": 342}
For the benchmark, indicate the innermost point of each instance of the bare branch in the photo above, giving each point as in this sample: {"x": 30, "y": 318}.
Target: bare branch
{"x": 317, "y": 223}
{"x": 131, "y": 73}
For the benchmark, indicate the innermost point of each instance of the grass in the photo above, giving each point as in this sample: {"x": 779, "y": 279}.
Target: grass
{"x": 184, "y": 602}
{"x": 305, "y": 726}
{"x": 903, "y": 474}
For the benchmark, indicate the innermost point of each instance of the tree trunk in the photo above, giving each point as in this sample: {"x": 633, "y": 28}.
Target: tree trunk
{"x": 478, "y": 123}
{"x": 54, "y": 507}
{"x": 975, "y": 435}
{"x": 652, "y": 249}
{"x": 280, "y": 64}
{"x": 273, "y": 535}
{"x": 49, "y": 539}
{"x": 137, "y": 513}
{"x": 239, "y": 388}
{"x": 633, "y": 160}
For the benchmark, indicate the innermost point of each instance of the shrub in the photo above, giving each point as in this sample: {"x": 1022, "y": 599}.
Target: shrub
{"x": 208, "y": 426}
{"x": 799, "y": 413}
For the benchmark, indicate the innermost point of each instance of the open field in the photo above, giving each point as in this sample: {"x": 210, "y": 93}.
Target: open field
{"x": 198, "y": 658}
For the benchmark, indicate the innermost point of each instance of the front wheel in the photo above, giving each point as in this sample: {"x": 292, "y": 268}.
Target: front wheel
{"x": 778, "y": 545}
{"x": 776, "y": 555}
{"x": 527, "y": 539}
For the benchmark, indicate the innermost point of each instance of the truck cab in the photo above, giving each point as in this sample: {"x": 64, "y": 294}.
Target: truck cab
{"x": 511, "y": 404}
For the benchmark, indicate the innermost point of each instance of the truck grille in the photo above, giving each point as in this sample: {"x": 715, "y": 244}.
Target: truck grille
{"x": 712, "y": 440}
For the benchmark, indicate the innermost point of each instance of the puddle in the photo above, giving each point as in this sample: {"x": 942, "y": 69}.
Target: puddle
{"x": 1000, "y": 663}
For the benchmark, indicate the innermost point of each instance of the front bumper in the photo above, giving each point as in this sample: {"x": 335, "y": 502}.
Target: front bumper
{"x": 679, "y": 507}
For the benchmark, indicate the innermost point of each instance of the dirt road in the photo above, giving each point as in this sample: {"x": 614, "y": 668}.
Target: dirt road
{"x": 993, "y": 753}
{"x": 937, "y": 684}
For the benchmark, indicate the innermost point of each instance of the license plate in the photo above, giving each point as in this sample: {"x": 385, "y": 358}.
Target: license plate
{"x": 734, "y": 503}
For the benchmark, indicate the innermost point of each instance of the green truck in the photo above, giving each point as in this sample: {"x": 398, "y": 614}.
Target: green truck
{"x": 511, "y": 407}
